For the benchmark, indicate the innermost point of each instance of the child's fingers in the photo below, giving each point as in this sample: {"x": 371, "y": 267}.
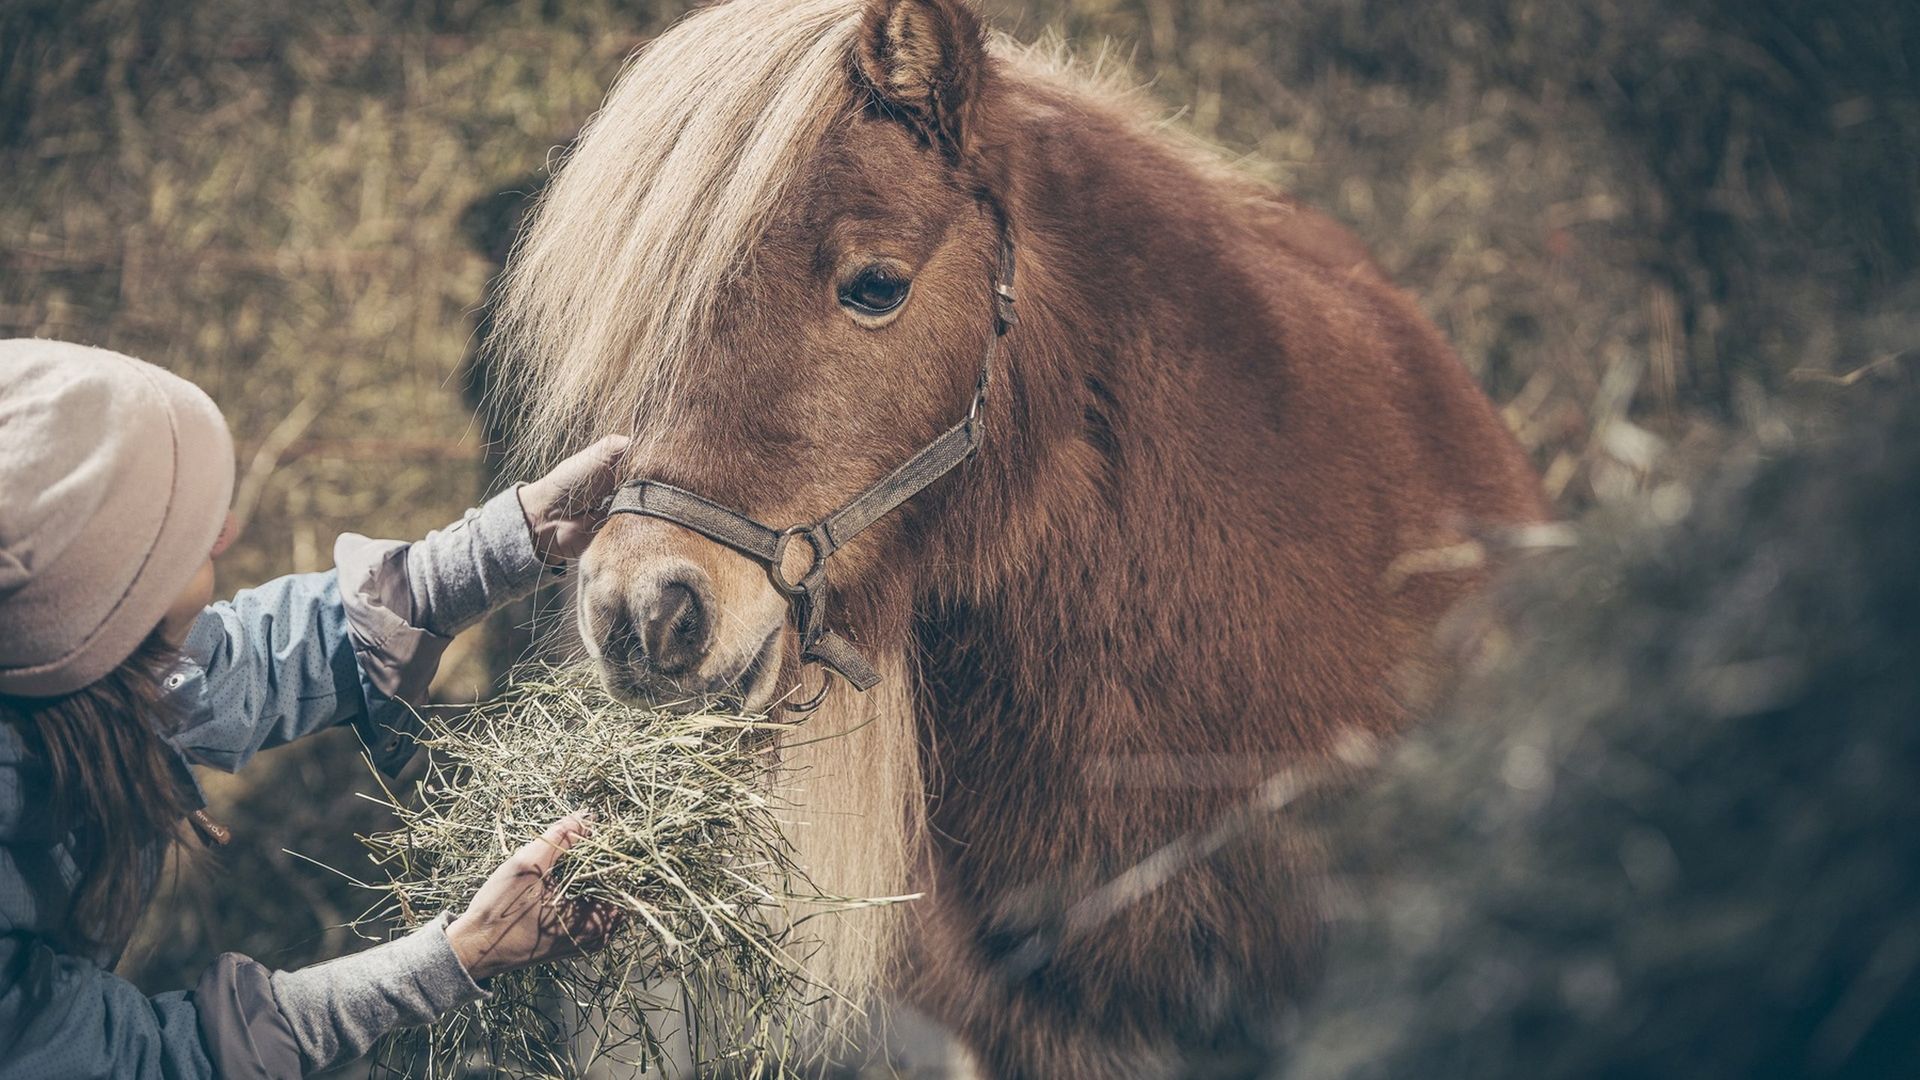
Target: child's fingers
{"x": 541, "y": 854}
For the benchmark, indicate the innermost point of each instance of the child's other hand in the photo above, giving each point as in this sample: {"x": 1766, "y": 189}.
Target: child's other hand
{"x": 566, "y": 506}
{"x": 515, "y": 920}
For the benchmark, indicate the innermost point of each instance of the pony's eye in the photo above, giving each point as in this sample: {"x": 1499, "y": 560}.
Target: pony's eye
{"x": 875, "y": 290}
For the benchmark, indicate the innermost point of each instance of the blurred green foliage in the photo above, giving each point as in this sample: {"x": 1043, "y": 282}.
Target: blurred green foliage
{"x": 1636, "y": 220}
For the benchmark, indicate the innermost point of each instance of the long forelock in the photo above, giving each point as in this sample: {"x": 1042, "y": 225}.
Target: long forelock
{"x": 609, "y": 297}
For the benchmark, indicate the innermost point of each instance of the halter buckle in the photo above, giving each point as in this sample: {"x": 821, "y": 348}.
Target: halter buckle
{"x": 1005, "y": 317}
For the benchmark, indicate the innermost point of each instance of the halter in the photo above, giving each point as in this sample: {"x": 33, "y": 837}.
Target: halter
{"x": 806, "y": 591}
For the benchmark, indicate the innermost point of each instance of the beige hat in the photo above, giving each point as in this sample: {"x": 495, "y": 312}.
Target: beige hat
{"x": 115, "y": 479}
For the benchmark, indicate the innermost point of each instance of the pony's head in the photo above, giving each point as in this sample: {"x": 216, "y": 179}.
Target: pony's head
{"x": 768, "y": 259}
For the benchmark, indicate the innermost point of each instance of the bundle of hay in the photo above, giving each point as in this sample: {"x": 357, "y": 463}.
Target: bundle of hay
{"x": 687, "y": 842}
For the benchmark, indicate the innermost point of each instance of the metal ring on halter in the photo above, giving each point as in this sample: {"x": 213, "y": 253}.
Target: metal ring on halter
{"x": 776, "y": 569}
{"x": 814, "y": 702}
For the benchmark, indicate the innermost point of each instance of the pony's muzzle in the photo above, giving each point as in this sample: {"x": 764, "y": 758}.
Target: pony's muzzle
{"x": 665, "y": 627}
{"x": 653, "y": 635}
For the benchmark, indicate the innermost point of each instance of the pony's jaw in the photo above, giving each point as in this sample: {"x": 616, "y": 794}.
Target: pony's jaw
{"x": 642, "y": 575}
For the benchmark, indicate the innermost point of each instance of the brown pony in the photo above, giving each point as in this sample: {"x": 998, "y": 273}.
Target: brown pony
{"x": 1174, "y": 568}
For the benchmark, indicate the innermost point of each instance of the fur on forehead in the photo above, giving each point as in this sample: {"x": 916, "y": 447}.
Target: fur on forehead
{"x": 861, "y": 169}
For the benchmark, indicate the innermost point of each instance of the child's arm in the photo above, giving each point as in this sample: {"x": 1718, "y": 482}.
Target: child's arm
{"x": 64, "y": 1015}
{"x": 309, "y": 651}
{"x": 362, "y": 642}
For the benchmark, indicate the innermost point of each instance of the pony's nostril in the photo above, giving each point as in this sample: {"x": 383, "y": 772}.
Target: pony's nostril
{"x": 674, "y": 631}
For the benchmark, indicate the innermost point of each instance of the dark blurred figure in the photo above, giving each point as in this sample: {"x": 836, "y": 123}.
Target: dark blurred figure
{"x": 1676, "y": 831}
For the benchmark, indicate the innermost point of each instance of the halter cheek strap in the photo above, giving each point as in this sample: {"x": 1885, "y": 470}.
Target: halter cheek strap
{"x": 806, "y": 591}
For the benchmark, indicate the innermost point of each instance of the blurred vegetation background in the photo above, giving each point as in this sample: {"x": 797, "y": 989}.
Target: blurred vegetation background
{"x": 1640, "y": 223}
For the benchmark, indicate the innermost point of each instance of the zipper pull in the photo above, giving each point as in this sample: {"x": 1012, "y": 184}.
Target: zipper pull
{"x": 212, "y": 833}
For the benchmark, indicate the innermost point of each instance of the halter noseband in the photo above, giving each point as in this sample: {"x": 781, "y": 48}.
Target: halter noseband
{"x": 806, "y": 593}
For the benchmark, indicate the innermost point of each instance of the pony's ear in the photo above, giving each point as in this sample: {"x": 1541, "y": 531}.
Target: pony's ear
{"x": 924, "y": 60}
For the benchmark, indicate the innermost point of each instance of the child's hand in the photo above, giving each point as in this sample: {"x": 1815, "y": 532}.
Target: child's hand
{"x": 515, "y": 920}
{"x": 564, "y": 507}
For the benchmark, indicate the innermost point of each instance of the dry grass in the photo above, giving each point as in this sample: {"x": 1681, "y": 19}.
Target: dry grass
{"x": 687, "y": 844}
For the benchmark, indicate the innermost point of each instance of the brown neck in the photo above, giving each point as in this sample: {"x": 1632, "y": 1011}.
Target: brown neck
{"x": 1091, "y": 523}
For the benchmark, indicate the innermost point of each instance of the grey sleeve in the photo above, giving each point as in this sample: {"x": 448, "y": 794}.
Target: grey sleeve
{"x": 246, "y": 1036}
{"x": 290, "y": 1023}
{"x": 458, "y": 574}
{"x": 404, "y": 602}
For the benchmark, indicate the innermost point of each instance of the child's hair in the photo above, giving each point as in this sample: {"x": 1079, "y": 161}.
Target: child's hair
{"x": 114, "y": 786}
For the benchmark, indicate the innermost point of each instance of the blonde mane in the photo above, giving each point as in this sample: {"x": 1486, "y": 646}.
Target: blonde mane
{"x": 609, "y": 297}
